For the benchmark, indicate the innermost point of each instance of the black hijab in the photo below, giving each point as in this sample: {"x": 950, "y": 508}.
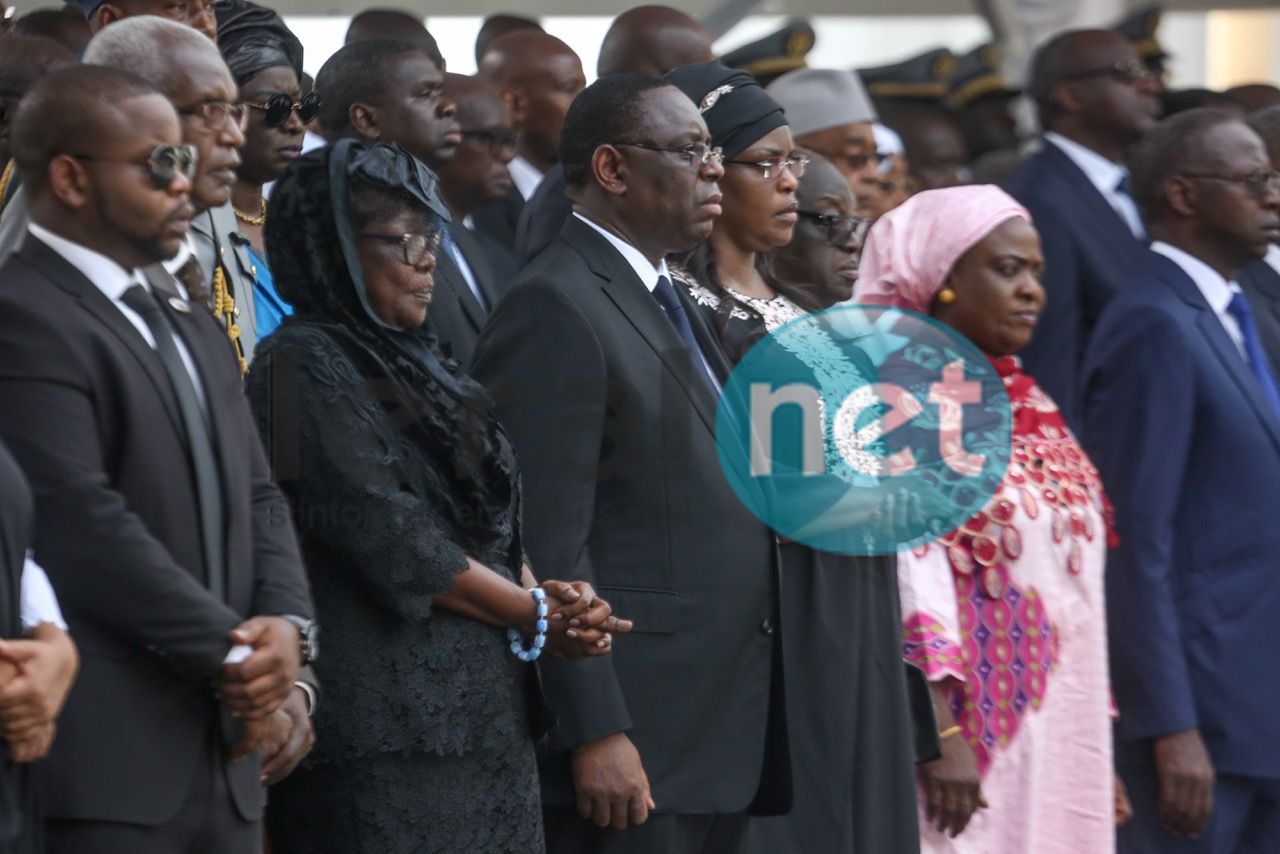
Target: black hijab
{"x": 310, "y": 236}
{"x": 735, "y": 107}
{"x": 253, "y": 38}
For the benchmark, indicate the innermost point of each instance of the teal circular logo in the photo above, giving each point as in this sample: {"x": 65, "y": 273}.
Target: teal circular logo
{"x": 864, "y": 429}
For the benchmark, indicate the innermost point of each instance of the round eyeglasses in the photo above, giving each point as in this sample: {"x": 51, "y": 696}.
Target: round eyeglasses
{"x": 164, "y": 163}
{"x": 279, "y": 106}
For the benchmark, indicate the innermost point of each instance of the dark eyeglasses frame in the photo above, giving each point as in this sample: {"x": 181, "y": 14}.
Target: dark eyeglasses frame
{"x": 795, "y": 164}
{"x": 856, "y": 226}
{"x": 431, "y": 243}
{"x": 497, "y": 140}
{"x": 1258, "y": 184}
{"x": 213, "y": 114}
{"x": 279, "y": 106}
{"x": 691, "y": 152}
{"x": 1130, "y": 71}
{"x": 164, "y": 163}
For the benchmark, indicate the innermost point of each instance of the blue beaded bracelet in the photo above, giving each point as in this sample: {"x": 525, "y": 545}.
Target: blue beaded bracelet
{"x": 531, "y": 653}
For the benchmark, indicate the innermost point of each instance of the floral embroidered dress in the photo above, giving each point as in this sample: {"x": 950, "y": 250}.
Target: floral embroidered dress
{"x": 1010, "y": 607}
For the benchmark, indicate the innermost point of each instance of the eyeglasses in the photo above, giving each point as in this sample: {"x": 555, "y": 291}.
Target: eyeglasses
{"x": 279, "y": 106}
{"x": 1130, "y": 71}
{"x": 697, "y": 155}
{"x": 772, "y": 166}
{"x": 1261, "y": 184}
{"x": 416, "y": 246}
{"x": 499, "y": 141}
{"x": 163, "y": 164}
{"x": 212, "y": 114}
{"x": 840, "y": 229}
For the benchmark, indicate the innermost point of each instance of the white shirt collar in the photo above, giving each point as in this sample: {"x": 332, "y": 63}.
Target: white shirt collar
{"x": 1273, "y": 257}
{"x": 109, "y": 277}
{"x": 1217, "y": 291}
{"x": 648, "y": 273}
{"x": 525, "y": 176}
{"x": 1100, "y": 171}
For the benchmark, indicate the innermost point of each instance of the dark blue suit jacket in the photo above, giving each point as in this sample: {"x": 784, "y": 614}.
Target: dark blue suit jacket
{"x": 1189, "y": 451}
{"x": 1261, "y": 284}
{"x": 1090, "y": 253}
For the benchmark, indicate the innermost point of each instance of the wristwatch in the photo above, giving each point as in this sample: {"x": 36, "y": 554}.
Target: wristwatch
{"x": 308, "y": 637}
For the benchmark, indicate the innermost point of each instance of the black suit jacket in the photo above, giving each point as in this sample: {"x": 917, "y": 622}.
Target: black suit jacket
{"x": 1261, "y": 284}
{"x": 455, "y": 316}
{"x": 90, "y": 414}
{"x": 499, "y": 219}
{"x": 543, "y": 216}
{"x": 492, "y": 265}
{"x": 1090, "y": 254}
{"x": 614, "y": 429}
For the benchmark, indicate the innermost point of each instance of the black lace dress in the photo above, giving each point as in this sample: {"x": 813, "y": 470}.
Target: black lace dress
{"x": 423, "y": 730}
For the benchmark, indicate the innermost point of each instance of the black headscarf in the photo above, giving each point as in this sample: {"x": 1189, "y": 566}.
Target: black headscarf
{"x": 738, "y": 112}
{"x": 311, "y": 239}
{"x": 253, "y": 38}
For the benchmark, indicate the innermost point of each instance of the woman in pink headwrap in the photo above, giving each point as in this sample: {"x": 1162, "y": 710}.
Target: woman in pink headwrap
{"x": 1005, "y": 615}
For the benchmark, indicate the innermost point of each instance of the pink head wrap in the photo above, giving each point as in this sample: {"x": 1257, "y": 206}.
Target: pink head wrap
{"x": 910, "y": 251}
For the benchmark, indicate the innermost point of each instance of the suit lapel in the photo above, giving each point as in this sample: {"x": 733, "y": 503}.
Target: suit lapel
{"x": 625, "y": 290}
{"x": 43, "y": 258}
{"x": 1108, "y": 225}
{"x": 474, "y": 255}
{"x": 450, "y": 277}
{"x": 1223, "y": 347}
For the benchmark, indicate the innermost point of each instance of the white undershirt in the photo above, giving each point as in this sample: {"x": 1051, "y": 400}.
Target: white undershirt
{"x": 1105, "y": 176}
{"x": 1216, "y": 290}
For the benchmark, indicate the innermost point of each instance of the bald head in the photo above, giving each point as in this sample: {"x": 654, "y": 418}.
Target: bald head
{"x": 653, "y": 40}
{"x": 539, "y": 76}
{"x": 514, "y": 56}
{"x": 1266, "y": 124}
{"x": 394, "y": 25}
{"x": 478, "y": 100}
{"x": 496, "y": 26}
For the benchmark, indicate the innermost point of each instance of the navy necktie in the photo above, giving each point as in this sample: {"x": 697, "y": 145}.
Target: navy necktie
{"x": 674, "y": 310}
{"x": 203, "y": 462}
{"x": 1239, "y": 309}
{"x": 1126, "y": 189}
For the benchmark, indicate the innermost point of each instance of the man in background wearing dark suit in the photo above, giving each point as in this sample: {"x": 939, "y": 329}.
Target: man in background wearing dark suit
{"x": 1182, "y": 416}
{"x": 1260, "y": 280}
{"x": 608, "y": 383}
{"x": 1095, "y": 100}
{"x": 476, "y": 176}
{"x": 171, "y": 550}
{"x": 643, "y": 40}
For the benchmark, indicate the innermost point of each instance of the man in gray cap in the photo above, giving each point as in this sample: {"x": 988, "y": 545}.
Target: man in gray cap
{"x": 830, "y": 113}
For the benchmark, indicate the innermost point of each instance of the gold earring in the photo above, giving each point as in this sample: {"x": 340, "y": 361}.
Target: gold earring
{"x": 946, "y": 296}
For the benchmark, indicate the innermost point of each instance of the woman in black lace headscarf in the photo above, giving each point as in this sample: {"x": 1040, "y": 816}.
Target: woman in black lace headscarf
{"x": 407, "y": 504}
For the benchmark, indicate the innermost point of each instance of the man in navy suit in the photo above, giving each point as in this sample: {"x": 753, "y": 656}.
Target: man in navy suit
{"x": 1182, "y": 418}
{"x": 1095, "y": 100}
{"x": 1260, "y": 281}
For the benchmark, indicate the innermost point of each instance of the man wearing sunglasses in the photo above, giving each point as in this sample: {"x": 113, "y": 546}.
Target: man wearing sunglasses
{"x": 1261, "y": 279}
{"x": 1095, "y": 99}
{"x": 156, "y": 517}
{"x": 477, "y": 176}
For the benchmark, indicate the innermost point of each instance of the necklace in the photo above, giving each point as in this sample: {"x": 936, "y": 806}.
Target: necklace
{"x": 258, "y": 220}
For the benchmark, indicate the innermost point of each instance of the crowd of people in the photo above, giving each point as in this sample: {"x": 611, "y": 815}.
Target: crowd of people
{"x": 359, "y": 474}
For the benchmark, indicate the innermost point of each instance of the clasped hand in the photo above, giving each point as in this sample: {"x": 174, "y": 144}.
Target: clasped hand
{"x": 258, "y": 685}
{"x": 35, "y": 677}
{"x": 579, "y": 623}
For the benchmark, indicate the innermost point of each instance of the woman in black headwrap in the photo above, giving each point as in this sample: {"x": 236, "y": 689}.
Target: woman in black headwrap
{"x": 407, "y": 503}
{"x": 265, "y": 59}
{"x": 848, "y": 723}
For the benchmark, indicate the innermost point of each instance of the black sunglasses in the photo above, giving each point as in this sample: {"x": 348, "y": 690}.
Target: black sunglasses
{"x": 163, "y": 164}
{"x": 280, "y": 105}
{"x": 840, "y": 229}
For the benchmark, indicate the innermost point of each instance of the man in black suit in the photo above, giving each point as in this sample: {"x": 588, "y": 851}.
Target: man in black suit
{"x": 608, "y": 384}
{"x": 643, "y": 40}
{"x": 156, "y": 518}
{"x": 388, "y": 91}
{"x": 1095, "y": 99}
{"x": 476, "y": 176}
{"x": 1260, "y": 281}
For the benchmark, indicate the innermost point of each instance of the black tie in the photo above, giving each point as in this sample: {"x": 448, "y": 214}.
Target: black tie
{"x": 674, "y": 309}
{"x": 208, "y": 484}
